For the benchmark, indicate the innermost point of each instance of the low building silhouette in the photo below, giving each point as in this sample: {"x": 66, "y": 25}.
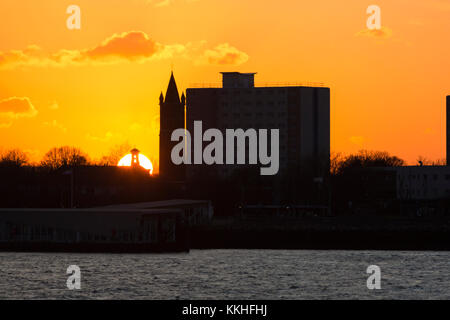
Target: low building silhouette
{"x": 93, "y": 230}
{"x": 81, "y": 187}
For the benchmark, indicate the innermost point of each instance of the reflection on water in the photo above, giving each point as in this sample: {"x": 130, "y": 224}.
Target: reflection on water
{"x": 227, "y": 274}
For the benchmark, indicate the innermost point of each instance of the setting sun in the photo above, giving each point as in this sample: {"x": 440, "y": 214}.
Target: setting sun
{"x": 143, "y": 162}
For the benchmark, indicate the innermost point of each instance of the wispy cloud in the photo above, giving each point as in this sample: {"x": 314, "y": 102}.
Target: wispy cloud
{"x": 14, "y": 108}
{"x": 5, "y": 122}
{"x": 55, "y": 124}
{"x": 131, "y": 46}
{"x": 223, "y": 54}
{"x": 165, "y": 3}
{"x": 54, "y": 105}
{"x": 108, "y": 136}
{"x": 17, "y": 107}
{"x": 382, "y": 33}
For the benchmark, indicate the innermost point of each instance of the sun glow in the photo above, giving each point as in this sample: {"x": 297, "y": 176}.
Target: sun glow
{"x": 143, "y": 162}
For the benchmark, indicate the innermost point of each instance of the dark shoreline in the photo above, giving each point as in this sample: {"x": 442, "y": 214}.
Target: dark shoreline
{"x": 281, "y": 233}
{"x": 344, "y": 233}
{"x": 122, "y": 248}
{"x": 316, "y": 240}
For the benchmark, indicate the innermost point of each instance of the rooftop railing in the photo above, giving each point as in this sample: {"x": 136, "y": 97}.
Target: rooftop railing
{"x": 262, "y": 85}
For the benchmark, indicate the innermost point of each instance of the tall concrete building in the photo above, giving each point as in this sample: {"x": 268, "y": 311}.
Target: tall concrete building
{"x": 301, "y": 113}
{"x": 172, "y": 115}
{"x": 448, "y": 130}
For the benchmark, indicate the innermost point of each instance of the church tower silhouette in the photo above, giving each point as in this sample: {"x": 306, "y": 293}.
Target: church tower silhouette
{"x": 171, "y": 117}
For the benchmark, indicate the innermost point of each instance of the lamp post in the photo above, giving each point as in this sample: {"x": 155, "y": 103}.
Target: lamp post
{"x": 67, "y": 172}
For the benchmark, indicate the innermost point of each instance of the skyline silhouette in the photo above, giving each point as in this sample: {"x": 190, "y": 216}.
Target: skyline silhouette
{"x": 98, "y": 86}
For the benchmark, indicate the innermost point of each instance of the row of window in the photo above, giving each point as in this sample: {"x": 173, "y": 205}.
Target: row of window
{"x": 258, "y": 91}
{"x": 252, "y": 91}
{"x": 256, "y": 103}
{"x": 425, "y": 176}
{"x": 425, "y": 192}
{"x": 22, "y": 232}
{"x": 246, "y": 125}
{"x": 257, "y": 114}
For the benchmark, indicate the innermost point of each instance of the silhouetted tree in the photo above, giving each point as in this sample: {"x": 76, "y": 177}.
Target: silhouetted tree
{"x": 365, "y": 159}
{"x": 13, "y": 158}
{"x": 355, "y": 184}
{"x": 423, "y": 161}
{"x": 336, "y": 159}
{"x": 65, "y": 156}
{"x": 440, "y": 162}
{"x": 115, "y": 154}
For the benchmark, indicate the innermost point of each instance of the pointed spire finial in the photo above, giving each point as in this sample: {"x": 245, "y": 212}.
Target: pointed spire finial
{"x": 172, "y": 90}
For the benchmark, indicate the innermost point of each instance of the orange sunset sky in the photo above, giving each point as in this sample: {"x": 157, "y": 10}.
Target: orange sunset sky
{"x": 98, "y": 87}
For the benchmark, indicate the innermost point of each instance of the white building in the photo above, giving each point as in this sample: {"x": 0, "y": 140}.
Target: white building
{"x": 423, "y": 182}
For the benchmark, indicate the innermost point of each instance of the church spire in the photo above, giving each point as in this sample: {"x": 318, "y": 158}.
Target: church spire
{"x": 172, "y": 91}
{"x": 171, "y": 117}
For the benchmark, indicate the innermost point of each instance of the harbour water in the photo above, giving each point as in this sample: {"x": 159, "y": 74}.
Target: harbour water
{"x": 228, "y": 274}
